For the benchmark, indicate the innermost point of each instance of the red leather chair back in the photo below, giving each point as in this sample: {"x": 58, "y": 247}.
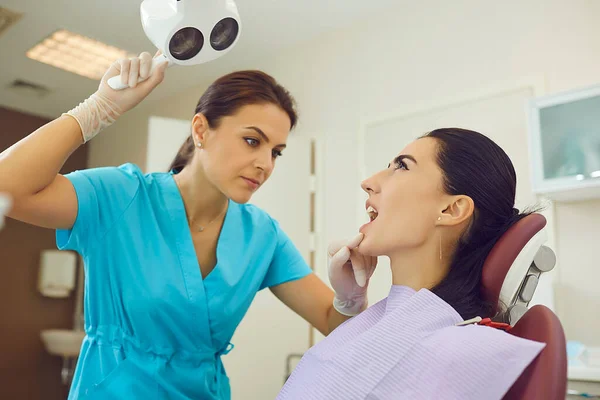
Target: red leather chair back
{"x": 546, "y": 376}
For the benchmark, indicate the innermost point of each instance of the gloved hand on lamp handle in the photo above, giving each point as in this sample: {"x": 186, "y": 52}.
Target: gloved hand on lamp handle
{"x": 103, "y": 108}
{"x": 349, "y": 274}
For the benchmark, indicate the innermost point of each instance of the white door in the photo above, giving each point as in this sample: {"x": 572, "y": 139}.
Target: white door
{"x": 165, "y": 137}
{"x": 270, "y": 331}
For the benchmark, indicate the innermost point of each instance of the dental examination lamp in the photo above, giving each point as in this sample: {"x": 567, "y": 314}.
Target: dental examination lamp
{"x": 188, "y": 32}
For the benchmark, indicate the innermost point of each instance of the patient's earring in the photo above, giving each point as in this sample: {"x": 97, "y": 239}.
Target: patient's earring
{"x": 199, "y": 145}
{"x": 439, "y": 219}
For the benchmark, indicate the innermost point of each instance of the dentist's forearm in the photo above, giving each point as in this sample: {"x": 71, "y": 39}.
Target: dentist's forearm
{"x": 335, "y": 319}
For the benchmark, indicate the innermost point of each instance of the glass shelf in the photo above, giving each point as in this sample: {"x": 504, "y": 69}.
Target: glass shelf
{"x": 565, "y": 144}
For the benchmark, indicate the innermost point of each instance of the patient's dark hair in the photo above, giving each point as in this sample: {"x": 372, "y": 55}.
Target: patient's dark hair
{"x": 228, "y": 94}
{"x": 475, "y": 166}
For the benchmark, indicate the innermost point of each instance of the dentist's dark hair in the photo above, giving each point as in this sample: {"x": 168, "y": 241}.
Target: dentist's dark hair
{"x": 228, "y": 94}
{"x": 475, "y": 166}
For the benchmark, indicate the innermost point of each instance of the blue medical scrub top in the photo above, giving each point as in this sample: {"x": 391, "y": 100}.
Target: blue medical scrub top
{"x": 154, "y": 328}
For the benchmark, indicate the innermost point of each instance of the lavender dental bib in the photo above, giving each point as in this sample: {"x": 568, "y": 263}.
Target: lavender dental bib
{"x": 408, "y": 346}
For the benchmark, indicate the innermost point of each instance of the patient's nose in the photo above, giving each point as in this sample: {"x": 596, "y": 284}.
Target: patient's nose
{"x": 370, "y": 185}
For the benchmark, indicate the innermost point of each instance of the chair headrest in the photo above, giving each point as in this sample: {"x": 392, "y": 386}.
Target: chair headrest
{"x": 509, "y": 260}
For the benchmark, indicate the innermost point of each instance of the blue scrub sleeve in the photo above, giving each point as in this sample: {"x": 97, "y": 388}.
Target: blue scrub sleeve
{"x": 287, "y": 263}
{"x": 103, "y": 195}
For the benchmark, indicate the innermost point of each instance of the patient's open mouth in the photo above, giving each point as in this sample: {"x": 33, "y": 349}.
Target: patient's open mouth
{"x": 372, "y": 213}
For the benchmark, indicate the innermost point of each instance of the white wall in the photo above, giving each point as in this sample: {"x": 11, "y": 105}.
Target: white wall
{"x": 418, "y": 53}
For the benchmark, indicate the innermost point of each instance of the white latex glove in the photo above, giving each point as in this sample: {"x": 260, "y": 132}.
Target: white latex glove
{"x": 5, "y": 204}
{"x": 103, "y": 108}
{"x": 349, "y": 274}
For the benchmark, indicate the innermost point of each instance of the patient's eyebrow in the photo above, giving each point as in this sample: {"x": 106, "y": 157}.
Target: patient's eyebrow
{"x": 398, "y": 160}
{"x": 401, "y": 157}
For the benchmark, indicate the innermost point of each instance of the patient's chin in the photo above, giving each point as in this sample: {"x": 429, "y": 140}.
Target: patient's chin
{"x": 368, "y": 249}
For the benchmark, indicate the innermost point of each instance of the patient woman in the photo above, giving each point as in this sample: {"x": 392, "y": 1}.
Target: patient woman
{"x": 436, "y": 211}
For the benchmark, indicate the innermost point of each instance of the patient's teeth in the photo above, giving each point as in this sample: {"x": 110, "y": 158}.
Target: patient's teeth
{"x": 372, "y": 213}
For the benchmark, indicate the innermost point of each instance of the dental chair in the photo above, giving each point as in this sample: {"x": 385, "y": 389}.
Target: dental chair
{"x": 510, "y": 276}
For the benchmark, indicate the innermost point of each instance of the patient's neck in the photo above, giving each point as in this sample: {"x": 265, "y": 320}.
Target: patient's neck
{"x": 418, "y": 268}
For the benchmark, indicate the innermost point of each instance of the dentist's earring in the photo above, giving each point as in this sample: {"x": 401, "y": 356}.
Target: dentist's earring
{"x": 199, "y": 145}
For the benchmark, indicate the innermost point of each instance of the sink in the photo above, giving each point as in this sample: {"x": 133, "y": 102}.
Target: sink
{"x": 64, "y": 343}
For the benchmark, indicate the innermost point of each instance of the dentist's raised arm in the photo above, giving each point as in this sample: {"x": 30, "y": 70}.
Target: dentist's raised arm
{"x": 29, "y": 170}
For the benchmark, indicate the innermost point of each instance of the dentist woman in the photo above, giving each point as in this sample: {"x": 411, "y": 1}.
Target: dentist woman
{"x": 173, "y": 260}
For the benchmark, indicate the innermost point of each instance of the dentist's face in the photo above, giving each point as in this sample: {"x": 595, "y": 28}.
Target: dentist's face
{"x": 240, "y": 153}
{"x": 407, "y": 198}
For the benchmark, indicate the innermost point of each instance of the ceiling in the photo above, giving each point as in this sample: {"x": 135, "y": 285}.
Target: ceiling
{"x": 269, "y": 26}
